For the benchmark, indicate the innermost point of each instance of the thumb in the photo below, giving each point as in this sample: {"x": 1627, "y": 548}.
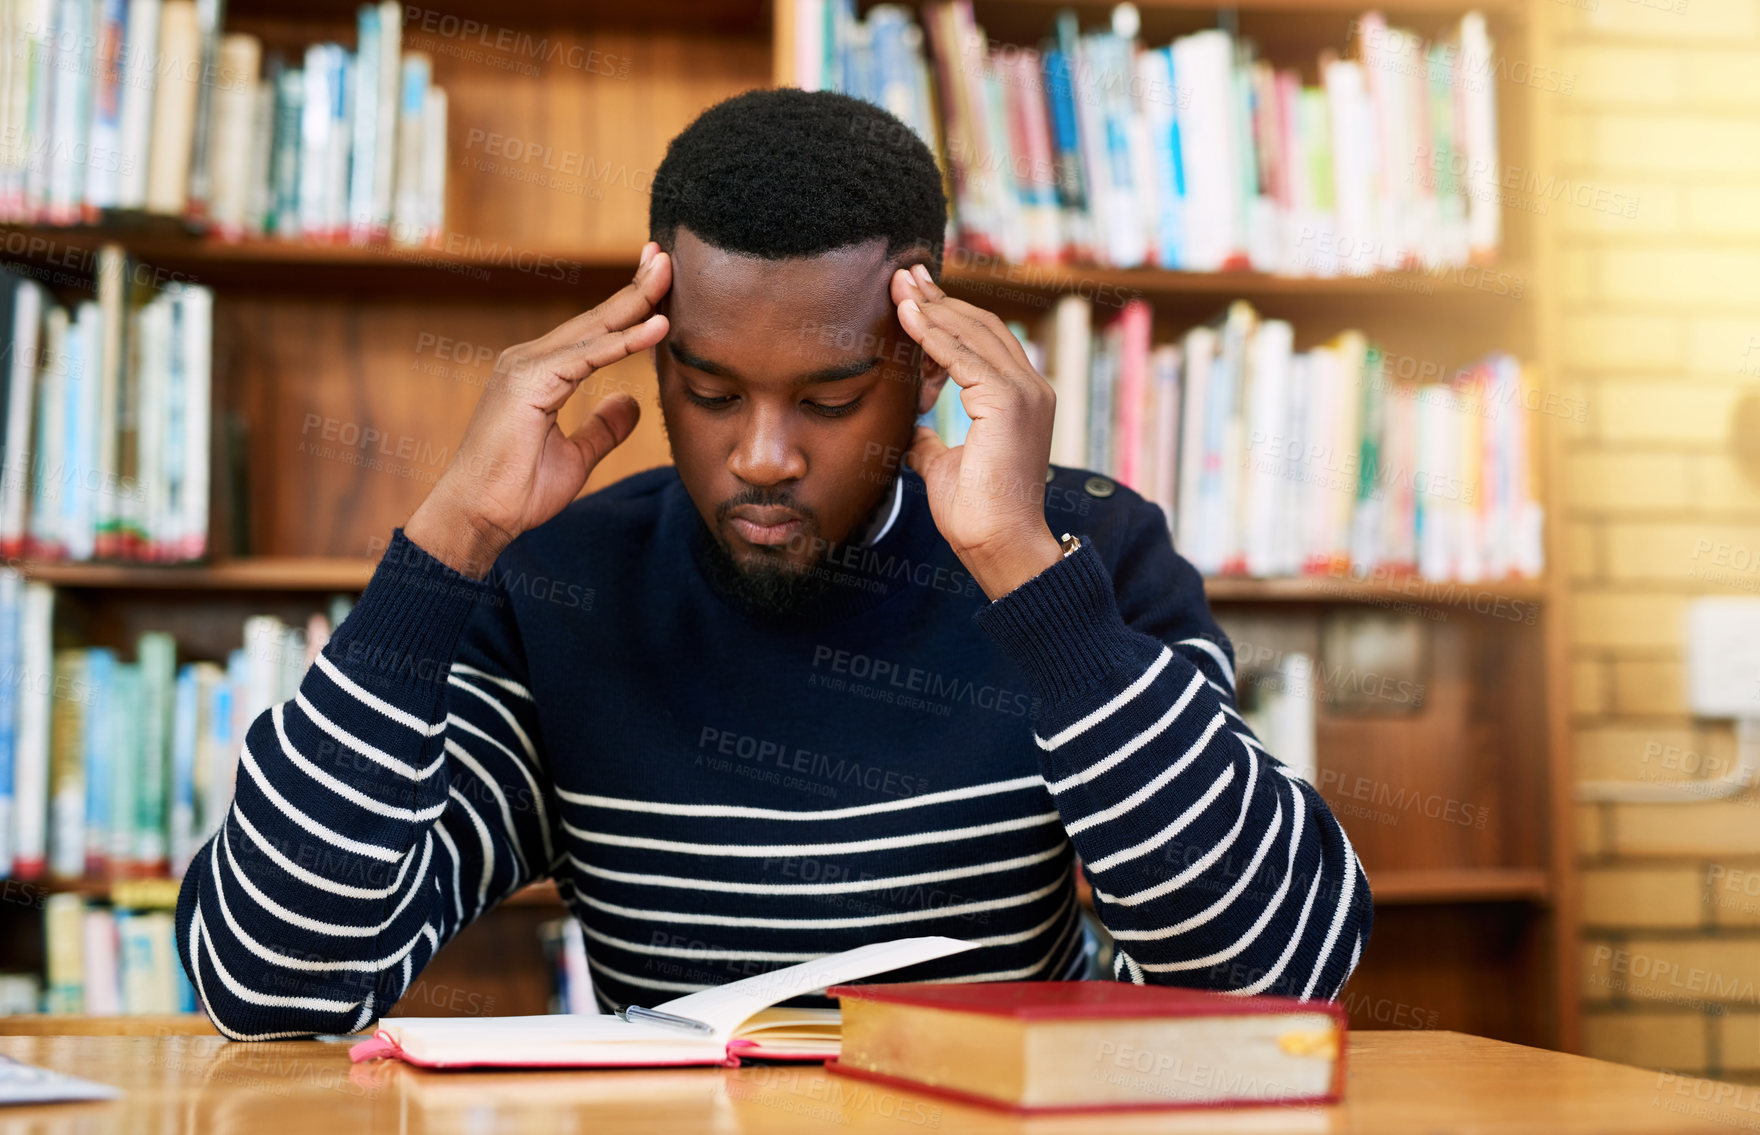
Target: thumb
{"x": 926, "y": 446}
{"x": 607, "y": 427}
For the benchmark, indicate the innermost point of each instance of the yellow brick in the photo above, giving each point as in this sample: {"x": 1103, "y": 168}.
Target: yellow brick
{"x": 1722, "y": 79}
{"x": 1724, "y": 347}
{"x": 1589, "y": 689}
{"x": 1626, "y": 619}
{"x": 1723, "y": 484}
{"x": 1621, "y": 342}
{"x": 1582, "y": 547}
{"x": 1615, "y": 76}
{"x": 1732, "y": 892}
{"x": 1716, "y": 210}
{"x": 1671, "y": 1040}
{"x": 1710, "y": 21}
{"x": 1588, "y": 830}
{"x": 1648, "y": 687}
{"x": 1633, "y": 752}
{"x": 1738, "y": 1042}
{"x": 1579, "y": 277}
{"x": 1615, "y": 207}
{"x": 1689, "y": 973}
{"x": 1697, "y": 553}
{"x": 1624, "y": 480}
{"x": 1711, "y": 827}
{"x": 1664, "y": 412}
{"x": 1643, "y": 897}
{"x": 1618, "y": 144}
{"x": 1677, "y": 276}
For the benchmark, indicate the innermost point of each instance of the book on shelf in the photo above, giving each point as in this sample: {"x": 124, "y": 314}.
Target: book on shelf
{"x": 565, "y": 947}
{"x": 106, "y": 959}
{"x": 1196, "y": 155}
{"x": 1343, "y": 459}
{"x": 132, "y": 106}
{"x": 105, "y": 416}
{"x": 122, "y": 769}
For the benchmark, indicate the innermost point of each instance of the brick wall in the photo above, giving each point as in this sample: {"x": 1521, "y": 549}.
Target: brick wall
{"x": 1657, "y": 321}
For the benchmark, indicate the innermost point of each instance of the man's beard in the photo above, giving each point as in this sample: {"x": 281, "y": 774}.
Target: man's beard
{"x": 768, "y": 587}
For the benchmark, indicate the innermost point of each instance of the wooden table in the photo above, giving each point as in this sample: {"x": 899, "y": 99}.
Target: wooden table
{"x": 1402, "y": 1083}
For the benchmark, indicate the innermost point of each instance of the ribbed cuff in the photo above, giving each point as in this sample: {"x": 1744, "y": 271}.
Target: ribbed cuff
{"x": 403, "y": 633}
{"x": 1062, "y": 627}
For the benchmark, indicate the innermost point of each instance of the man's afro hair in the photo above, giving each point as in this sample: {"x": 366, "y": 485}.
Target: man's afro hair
{"x": 782, "y": 172}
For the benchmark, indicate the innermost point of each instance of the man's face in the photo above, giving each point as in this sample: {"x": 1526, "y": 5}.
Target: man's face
{"x": 788, "y": 391}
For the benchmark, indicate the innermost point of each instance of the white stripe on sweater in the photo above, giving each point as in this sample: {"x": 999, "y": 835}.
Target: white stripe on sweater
{"x": 1210, "y": 857}
{"x": 1289, "y": 949}
{"x": 306, "y": 922}
{"x": 1180, "y": 823}
{"x": 195, "y": 954}
{"x": 1215, "y": 652}
{"x": 312, "y": 877}
{"x": 372, "y": 752}
{"x": 251, "y": 996}
{"x": 335, "y": 839}
{"x": 275, "y": 957}
{"x": 457, "y": 887}
{"x": 1161, "y": 779}
{"x": 1142, "y": 683}
{"x": 1097, "y": 769}
{"x": 842, "y": 888}
{"x": 1346, "y": 893}
{"x": 777, "y": 851}
{"x": 738, "y": 811}
{"x": 482, "y": 775}
{"x": 488, "y": 849}
{"x": 507, "y": 684}
{"x": 506, "y": 715}
{"x": 347, "y": 791}
{"x": 531, "y": 781}
{"x": 354, "y": 690}
{"x": 960, "y": 911}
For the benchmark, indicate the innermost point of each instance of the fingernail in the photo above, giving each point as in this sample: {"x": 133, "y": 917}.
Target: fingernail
{"x": 911, "y": 305}
{"x": 647, "y": 254}
{"x": 922, "y": 272}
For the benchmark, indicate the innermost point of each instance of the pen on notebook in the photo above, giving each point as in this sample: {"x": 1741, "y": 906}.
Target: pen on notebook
{"x": 634, "y": 1013}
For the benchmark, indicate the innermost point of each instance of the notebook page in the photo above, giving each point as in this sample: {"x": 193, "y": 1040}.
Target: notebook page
{"x": 726, "y": 1006}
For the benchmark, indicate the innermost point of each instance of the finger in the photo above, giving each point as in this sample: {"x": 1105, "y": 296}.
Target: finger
{"x": 547, "y": 381}
{"x": 970, "y": 352}
{"x": 926, "y": 284}
{"x": 607, "y": 427}
{"x": 626, "y": 307}
{"x": 926, "y": 446}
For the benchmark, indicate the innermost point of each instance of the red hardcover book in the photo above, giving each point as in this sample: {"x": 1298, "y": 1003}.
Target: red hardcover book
{"x": 1062, "y": 1046}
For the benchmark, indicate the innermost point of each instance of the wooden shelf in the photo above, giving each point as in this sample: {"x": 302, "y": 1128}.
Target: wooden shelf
{"x": 1343, "y": 589}
{"x": 1479, "y": 884}
{"x": 167, "y": 243}
{"x": 269, "y": 573}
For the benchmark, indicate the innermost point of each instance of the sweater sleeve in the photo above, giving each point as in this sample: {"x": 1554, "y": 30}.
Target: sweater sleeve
{"x": 1213, "y": 865}
{"x": 395, "y": 797}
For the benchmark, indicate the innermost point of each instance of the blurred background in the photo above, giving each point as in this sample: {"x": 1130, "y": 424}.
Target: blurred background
{"x": 1431, "y": 327}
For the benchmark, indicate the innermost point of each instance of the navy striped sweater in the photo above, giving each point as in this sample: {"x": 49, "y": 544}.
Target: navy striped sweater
{"x": 718, "y": 793}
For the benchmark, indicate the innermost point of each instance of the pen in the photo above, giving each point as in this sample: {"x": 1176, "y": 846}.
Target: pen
{"x": 634, "y": 1013}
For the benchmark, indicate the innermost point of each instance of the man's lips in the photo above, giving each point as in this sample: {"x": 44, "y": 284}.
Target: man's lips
{"x": 765, "y": 525}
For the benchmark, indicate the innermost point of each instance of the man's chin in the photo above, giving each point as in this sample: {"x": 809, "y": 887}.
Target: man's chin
{"x": 765, "y": 578}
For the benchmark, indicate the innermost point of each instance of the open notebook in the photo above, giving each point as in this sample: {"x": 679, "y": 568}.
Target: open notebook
{"x": 739, "y": 1012}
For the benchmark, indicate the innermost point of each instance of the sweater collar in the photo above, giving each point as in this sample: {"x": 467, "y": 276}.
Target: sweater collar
{"x": 857, "y": 577}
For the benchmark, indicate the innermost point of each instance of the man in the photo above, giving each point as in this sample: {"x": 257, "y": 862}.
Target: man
{"x": 823, "y": 681}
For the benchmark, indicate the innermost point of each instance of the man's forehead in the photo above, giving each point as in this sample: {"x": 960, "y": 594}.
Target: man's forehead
{"x": 848, "y": 285}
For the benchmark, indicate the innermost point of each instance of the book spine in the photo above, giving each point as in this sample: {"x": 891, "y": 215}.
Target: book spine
{"x": 103, "y": 166}
{"x": 67, "y": 785}
{"x": 158, "y": 653}
{"x": 178, "y": 64}
{"x": 407, "y": 213}
{"x": 11, "y": 584}
{"x": 112, "y": 309}
{"x": 96, "y": 731}
{"x": 231, "y": 153}
{"x": 140, "y": 75}
{"x": 363, "y": 164}
{"x": 31, "y": 770}
{"x": 64, "y": 935}
{"x": 199, "y": 178}
{"x": 181, "y": 816}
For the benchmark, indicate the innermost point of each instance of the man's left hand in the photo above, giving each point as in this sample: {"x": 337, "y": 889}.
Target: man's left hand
{"x": 987, "y": 495}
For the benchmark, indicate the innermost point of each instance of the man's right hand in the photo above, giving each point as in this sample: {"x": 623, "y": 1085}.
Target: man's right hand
{"x": 515, "y": 467}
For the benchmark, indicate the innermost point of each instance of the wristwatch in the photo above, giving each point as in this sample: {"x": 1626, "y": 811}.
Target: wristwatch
{"x": 1070, "y": 544}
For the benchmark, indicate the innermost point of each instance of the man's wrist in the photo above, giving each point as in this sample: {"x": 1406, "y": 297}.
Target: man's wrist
{"x": 1000, "y": 570}
{"x": 455, "y": 538}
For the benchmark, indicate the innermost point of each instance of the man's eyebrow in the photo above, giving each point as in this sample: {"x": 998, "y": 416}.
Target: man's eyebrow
{"x": 851, "y": 369}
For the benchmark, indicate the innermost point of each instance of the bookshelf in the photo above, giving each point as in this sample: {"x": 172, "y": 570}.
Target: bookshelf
{"x": 1474, "y": 926}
